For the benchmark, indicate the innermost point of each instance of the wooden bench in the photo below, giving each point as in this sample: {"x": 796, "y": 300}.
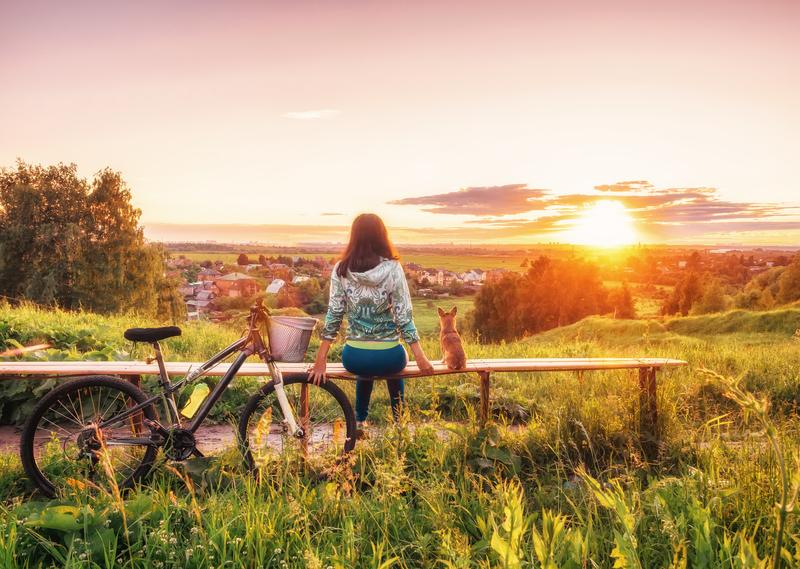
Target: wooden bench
{"x": 647, "y": 370}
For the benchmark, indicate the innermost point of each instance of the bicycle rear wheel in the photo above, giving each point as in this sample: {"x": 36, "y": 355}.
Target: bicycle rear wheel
{"x": 323, "y": 411}
{"x": 72, "y": 440}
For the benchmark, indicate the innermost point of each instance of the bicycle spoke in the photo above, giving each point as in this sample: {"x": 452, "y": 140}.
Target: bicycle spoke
{"x": 71, "y": 414}
{"x": 68, "y": 443}
{"x": 325, "y": 426}
{"x": 102, "y": 417}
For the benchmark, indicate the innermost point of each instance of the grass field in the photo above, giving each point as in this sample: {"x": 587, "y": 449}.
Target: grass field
{"x": 455, "y": 262}
{"x": 558, "y": 480}
{"x": 426, "y": 316}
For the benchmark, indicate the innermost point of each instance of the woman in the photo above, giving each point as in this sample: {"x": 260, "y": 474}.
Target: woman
{"x": 369, "y": 285}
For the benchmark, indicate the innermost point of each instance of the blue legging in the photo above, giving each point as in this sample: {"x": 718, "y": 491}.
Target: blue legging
{"x": 367, "y": 364}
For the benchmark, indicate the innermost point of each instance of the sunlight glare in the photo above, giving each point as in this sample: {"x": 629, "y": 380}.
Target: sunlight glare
{"x": 606, "y": 223}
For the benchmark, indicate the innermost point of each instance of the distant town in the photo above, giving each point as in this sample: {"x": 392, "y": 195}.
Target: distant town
{"x": 218, "y": 280}
{"x": 210, "y": 288}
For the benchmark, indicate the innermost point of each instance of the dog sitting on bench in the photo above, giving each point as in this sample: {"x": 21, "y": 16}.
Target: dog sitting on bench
{"x": 452, "y": 350}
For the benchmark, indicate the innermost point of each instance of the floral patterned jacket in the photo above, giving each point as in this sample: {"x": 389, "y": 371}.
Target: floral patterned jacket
{"x": 377, "y": 304}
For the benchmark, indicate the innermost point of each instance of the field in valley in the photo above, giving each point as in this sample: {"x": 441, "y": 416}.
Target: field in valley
{"x": 455, "y": 262}
{"x": 558, "y": 480}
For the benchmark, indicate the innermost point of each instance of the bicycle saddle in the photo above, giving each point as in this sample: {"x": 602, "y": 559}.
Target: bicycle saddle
{"x": 151, "y": 334}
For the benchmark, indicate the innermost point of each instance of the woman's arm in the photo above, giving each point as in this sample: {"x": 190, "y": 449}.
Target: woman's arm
{"x": 401, "y": 307}
{"x": 317, "y": 371}
{"x": 330, "y": 329}
{"x": 424, "y": 365}
{"x": 402, "y": 314}
{"x": 336, "y": 308}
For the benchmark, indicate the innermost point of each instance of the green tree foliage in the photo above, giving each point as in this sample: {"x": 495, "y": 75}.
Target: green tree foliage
{"x": 789, "y": 282}
{"x": 552, "y": 293}
{"x": 308, "y": 295}
{"x": 77, "y": 243}
{"x": 621, "y": 302}
{"x": 687, "y": 291}
{"x": 713, "y": 299}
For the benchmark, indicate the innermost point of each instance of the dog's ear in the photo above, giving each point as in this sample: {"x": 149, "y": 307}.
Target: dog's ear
{"x": 454, "y": 311}
{"x": 441, "y": 312}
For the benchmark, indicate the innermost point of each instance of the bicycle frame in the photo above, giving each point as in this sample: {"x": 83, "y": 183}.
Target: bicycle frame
{"x": 249, "y": 345}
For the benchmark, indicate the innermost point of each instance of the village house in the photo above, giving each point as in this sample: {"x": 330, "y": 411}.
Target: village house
{"x": 236, "y": 285}
{"x": 412, "y": 269}
{"x": 208, "y": 275}
{"x": 275, "y": 286}
{"x": 429, "y": 275}
{"x": 446, "y": 278}
{"x": 494, "y": 275}
{"x": 473, "y": 276}
{"x": 186, "y": 289}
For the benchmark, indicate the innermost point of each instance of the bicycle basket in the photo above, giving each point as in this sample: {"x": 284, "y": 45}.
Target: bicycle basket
{"x": 289, "y": 337}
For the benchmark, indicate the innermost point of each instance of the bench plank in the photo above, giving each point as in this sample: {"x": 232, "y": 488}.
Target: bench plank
{"x": 336, "y": 370}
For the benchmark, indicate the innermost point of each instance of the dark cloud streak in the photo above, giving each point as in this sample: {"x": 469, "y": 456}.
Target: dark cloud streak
{"x": 483, "y": 201}
{"x": 685, "y": 211}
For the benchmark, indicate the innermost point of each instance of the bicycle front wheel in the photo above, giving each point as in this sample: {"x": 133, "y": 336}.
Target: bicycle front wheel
{"x": 323, "y": 411}
{"x": 72, "y": 438}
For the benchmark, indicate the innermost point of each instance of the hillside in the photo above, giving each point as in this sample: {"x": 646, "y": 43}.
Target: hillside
{"x": 439, "y": 493}
{"x": 775, "y": 325}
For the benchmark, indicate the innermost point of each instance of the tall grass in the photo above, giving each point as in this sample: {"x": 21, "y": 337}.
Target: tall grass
{"x": 557, "y": 481}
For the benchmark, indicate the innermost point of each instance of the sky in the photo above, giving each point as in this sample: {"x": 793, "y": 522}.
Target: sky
{"x": 456, "y": 121}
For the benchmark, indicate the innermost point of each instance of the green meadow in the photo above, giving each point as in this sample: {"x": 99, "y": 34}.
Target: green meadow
{"x": 452, "y": 262}
{"x": 558, "y": 479}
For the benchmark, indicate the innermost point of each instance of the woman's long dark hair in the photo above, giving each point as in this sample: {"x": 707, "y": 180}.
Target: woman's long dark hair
{"x": 369, "y": 241}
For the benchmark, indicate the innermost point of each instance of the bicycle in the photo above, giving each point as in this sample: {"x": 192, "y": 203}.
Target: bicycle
{"x": 102, "y": 428}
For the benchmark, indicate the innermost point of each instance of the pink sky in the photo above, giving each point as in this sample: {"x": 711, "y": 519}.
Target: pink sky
{"x": 274, "y": 113}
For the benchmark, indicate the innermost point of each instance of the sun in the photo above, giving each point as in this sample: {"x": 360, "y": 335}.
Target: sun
{"x": 606, "y": 223}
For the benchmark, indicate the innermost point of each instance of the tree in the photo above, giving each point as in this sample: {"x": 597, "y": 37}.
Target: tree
{"x": 552, "y": 293}
{"x": 789, "y": 282}
{"x": 74, "y": 243}
{"x": 712, "y": 300}
{"x": 621, "y": 302}
{"x": 767, "y": 300}
{"x": 687, "y": 291}
{"x": 243, "y": 260}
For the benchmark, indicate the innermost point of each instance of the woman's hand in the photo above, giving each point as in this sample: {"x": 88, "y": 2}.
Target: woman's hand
{"x": 424, "y": 365}
{"x": 316, "y": 371}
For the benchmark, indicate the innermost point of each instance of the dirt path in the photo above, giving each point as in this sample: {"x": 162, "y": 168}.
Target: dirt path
{"x": 212, "y": 438}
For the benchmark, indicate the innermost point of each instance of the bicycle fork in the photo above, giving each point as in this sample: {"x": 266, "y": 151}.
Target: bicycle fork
{"x": 288, "y": 413}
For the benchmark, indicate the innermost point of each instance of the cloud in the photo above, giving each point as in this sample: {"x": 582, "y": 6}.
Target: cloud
{"x": 312, "y": 115}
{"x": 482, "y": 200}
{"x": 657, "y": 212}
{"x": 629, "y": 186}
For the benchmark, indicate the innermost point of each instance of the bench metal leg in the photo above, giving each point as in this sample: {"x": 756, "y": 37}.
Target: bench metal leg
{"x": 484, "y": 390}
{"x": 648, "y": 412}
